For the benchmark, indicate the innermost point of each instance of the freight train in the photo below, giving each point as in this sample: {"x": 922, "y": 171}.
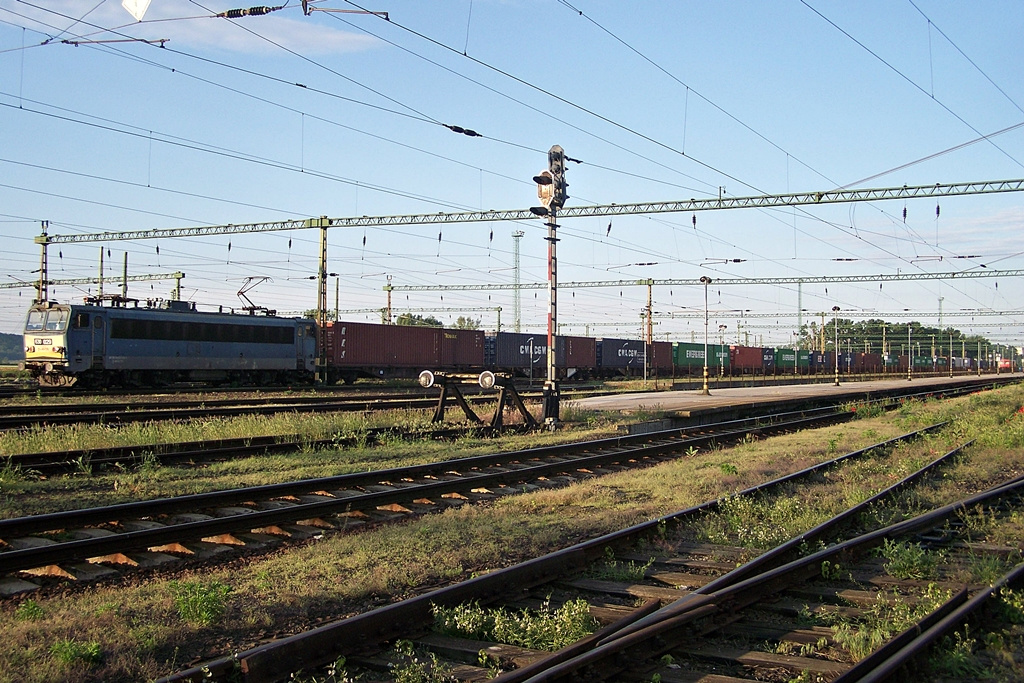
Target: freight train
{"x": 165, "y": 342}
{"x": 736, "y": 361}
{"x": 371, "y": 350}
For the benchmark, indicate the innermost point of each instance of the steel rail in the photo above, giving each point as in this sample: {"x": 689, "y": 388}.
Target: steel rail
{"x": 790, "y": 550}
{"x": 469, "y": 473}
{"x": 204, "y": 451}
{"x": 366, "y": 631}
{"x": 915, "y": 641}
{"x": 128, "y": 413}
{"x": 414, "y": 392}
{"x": 670, "y": 627}
{"x": 58, "y": 520}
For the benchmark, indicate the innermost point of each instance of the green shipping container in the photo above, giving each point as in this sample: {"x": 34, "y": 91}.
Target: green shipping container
{"x": 784, "y": 359}
{"x": 690, "y": 355}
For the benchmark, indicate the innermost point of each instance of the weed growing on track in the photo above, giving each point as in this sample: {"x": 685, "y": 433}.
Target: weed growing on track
{"x": 614, "y": 570}
{"x": 419, "y": 666}
{"x": 955, "y": 656}
{"x": 69, "y": 651}
{"x": 985, "y": 568}
{"x": 308, "y": 425}
{"x": 336, "y": 672}
{"x": 547, "y": 630}
{"x": 909, "y": 560}
{"x": 993, "y": 654}
{"x": 28, "y": 611}
{"x": 757, "y": 522}
{"x": 888, "y": 615}
{"x": 200, "y": 603}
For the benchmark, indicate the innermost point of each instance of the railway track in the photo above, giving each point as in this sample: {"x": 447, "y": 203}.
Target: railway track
{"x": 21, "y": 417}
{"x": 151, "y": 533}
{"x": 690, "y": 614}
{"x": 96, "y": 460}
{"x": 29, "y": 416}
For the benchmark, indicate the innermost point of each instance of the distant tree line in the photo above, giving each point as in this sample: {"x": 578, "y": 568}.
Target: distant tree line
{"x": 868, "y": 335}
{"x": 11, "y": 348}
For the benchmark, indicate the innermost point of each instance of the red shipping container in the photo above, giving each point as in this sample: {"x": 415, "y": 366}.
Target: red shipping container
{"x": 871, "y": 362}
{"x": 461, "y": 349}
{"x": 746, "y": 357}
{"x": 661, "y": 355}
{"x": 382, "y": 346}
{"x": 580, "y": 352}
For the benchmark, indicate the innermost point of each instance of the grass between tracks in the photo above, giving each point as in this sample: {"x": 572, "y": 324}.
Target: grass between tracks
{"x": 138, "y": 632}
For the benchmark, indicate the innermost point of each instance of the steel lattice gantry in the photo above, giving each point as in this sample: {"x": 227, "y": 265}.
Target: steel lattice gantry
{"x": 324, "y": 223}
{"x": 758, "y": 201}
{"x": 823, "y": 279}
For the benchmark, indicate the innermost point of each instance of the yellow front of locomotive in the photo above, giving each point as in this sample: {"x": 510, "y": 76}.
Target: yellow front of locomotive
{"x": 46, "y": 343}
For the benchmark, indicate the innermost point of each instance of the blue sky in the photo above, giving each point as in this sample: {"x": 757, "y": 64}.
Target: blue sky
{"x": 281, "y": 116}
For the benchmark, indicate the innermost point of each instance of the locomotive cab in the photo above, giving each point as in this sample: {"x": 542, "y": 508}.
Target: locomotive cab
{"x": 49, "y": 333}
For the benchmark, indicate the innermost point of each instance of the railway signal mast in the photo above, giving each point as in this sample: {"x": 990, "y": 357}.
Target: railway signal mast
{"x": 551, "y": 188}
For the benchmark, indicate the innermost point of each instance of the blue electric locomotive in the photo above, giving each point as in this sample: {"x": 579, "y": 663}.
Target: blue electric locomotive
{"x": 98, "y": 346}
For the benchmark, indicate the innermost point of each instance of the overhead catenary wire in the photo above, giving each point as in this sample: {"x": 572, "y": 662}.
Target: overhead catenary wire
{"x": 446, "y": 126}
{"x": 911, "y": 82}
{"x": 652, "y": 250}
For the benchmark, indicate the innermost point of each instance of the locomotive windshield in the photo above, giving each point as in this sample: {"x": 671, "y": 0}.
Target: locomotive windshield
{"x": 52, "y": 320}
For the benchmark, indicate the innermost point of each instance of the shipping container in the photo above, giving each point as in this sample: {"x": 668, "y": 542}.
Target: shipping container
{"x": 847, "y": 362}
{"x": 380, "y": 350}
{"x": 660, "y": 357}
{"x": 921, "y": 363}
{"x": 620, "y": 353}
{"x": 690, "y": 355}
{"x": 461, "y": 349}
{"x": 791, "y": 361}
{"x": 378, "y": 346}
{"x": 746, "y": 359}
{"x": 768, "y": 360}
{"x": 528, "y": 354}
{"x": 871, "y": 362}
{"x": 519, "y": 350}
{"x": 785, "y": 359}
{"x": 580, "y": 352}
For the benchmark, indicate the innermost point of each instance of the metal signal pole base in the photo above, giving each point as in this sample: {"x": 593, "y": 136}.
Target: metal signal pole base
{"x": 704, "y": 391}
{"x": 550, "y": 396}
